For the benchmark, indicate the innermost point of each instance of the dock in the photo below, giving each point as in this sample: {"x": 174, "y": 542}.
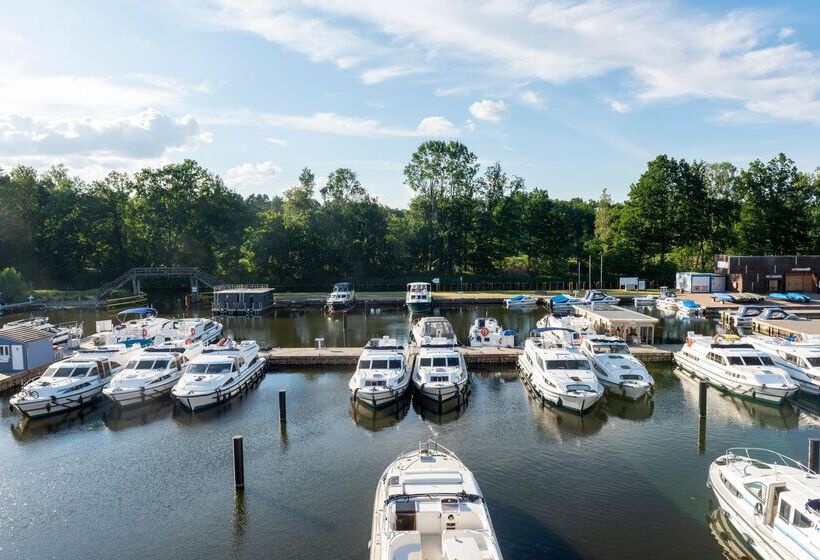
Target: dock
{"x": 619, "y": 321}
{"x": 785, "y": 328}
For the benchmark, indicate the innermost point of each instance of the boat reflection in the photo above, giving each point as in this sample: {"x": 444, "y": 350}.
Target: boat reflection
{"x": 27, "y": 429}
{"x": 732, "y": 545}
{"x": 187, "y": 418}
{"x": 640, "y": 409}
{"x": 377, "y": 419}
{"x": 561, "y": 424}
{"x": 118, "y": 419}
{"x": 735, "y": 410}
{"x": 439, "y": 413}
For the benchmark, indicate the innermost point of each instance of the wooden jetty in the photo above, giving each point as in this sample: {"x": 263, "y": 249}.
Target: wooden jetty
{"x": 630, "y": 325}
{"x": 14, "y": 380}
{"x": 785, "y": 328}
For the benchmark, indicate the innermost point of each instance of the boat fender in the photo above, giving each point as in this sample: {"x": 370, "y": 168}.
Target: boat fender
{"x": 34, "y": 394}
{"x": 81, "y": 400}
{"x": 559, "y": 402}
{"x": 144, "y": 333}
{"x": 53, "y": 399}
{"x": 758, "y": 508}
{"x": 222, "y": 341}
{"x": 753, "y": 394}
{"x": 193, "y": 331}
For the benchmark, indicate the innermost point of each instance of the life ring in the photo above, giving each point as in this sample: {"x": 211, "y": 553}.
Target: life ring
{"x": 222, "y": 341}
{"x": 689, "y": 342}
{"x": 193, "y": 331}
{"x": 798, "y": 338}
{"x": 484, "y": 331}
{"x": 144, "y": 333}
{"x": 188, "y": 341}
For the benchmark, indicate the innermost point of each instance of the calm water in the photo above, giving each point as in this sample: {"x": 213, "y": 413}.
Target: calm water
{"x": 625, "y": 481}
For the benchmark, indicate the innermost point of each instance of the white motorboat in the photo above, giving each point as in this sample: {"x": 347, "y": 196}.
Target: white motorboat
{"x": 735, "y": 367}
{"x": 565, "y": 301}
{"x": 617, "y": 369}
{"x": 746, "y": 314}
{"x": 521, "y": 301}
{"x": 599, "y": 297}
{"x": 487, "y": 331}
{"x": 194, "y": 329}
{"x": 342, "y": 298}
{"x": 433, "y": 331}
{"x": 801, "y": 360}
{"x": 68, "y": 333}
{"x": 771, "y": 500}
{"x": 644, "y": 301}
{"x": 382, "y": 375}
{"x": 418, "y": 297}
{"x": 689, "y": 307}
{"x": 440, "y": 373}
{"x": 559, "y": 375}
{"x": 138, "y": 325}
{"x": 152, "y": 373}
{"x": 667, "y": 300}
{"x": 73, "y": 382}
{"x": 429, "y": 505}
{"x": 567, "y": 328}
{"x": 222, "y": 371}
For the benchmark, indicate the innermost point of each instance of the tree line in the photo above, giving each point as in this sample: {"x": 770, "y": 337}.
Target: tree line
{"x": 463, "y": 220}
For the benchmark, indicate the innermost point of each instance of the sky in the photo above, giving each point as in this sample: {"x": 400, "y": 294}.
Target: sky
{"x": 573, "y": 96}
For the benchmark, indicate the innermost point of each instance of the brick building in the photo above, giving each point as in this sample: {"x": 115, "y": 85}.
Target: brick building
{"x": 763, "y": 274}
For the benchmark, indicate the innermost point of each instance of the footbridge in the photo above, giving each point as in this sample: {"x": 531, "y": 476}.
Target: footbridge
{"x": 134, "y": 277}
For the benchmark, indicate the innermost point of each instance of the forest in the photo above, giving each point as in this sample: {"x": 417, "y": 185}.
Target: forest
{"x": 58, "y": 231}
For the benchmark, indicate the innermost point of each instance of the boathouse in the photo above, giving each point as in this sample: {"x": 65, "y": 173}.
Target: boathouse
{"x": 770, "y": 273}
{"x": 24, "y": 348}
{"x": 700, "y": 282}
{"x": 242, "y": 299}
{"x": 634, "y": 327}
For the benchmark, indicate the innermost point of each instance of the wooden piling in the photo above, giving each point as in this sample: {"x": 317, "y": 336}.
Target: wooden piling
{"x": 283, "y": 411}
{"x": 703, "y": 386}
{"x": 238, "y": 462}
{"x": 814, "y": 455}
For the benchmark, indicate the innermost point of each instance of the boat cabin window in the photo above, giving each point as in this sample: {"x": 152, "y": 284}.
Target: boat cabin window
{"x": 452, "y": 362}
{"x": 147, "y": 364}
{"x": 735, "y": 361}
{"x": 211, "y": 369}
{"x": 439, "y": 362}
{"x": 369, "y": 383}
{"x": 378, "y": 364}
{"x": 395, "y": 364}
{"x": 69, "y": 371}
{"x": 439, "y": 378}
{"x": 802, "y": 521}
{"x": 757, "y": 361}
{"x": 578, "y": 388}
{"x": 425, "y": 362}
{"x": 785, "y": 511}
{"x": 364, "y": 364}
{"x": 720, "y": 359}
{"x": 813, "y": 362}
{"x": 756, "y": 489}
{"x": 610, "y": 349}
{"x": 567, "y": 364}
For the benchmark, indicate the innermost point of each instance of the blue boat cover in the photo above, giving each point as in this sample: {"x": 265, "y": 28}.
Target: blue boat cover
{"x": 723, "y": 296}
{"x": 509, "y": 332}
{"x": 689, "y": 303}
{"x": 794, "y": 296}
{"x": 138, "y": 311}
{"x": 778, "y": 295}
{"x": 561, "y": 298}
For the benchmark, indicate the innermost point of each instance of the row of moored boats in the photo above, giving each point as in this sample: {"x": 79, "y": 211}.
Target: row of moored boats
{"x": 143, "y": 358}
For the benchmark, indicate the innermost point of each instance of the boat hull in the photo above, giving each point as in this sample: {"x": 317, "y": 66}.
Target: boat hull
{"x": 200, "y": 401}
{"x": 377, "y": 397}
{"x": 576, "y": 402}
{"x": 135, "y": 397}
{"x": 419, "y": 306}
{"x": 39, "y": 408}
{"x": 632, "y": 392}
{"x": 340, "y": 305}
{"x": 768, "y": 395}
{"x": 443, "y": 392}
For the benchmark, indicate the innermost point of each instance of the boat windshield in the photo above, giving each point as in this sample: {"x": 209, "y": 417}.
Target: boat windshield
{"x": 814, "y": 362}
{"x": 380, "y": 364}
{"x": 616, "y": 348}
{"x": 147, "y": 364}
{"x": 67, "y": 371}
{"x": 578, "y": 388}
{"x": 439, "y": 362}
{"x": 211, "y": 368}
{"x": 757, "y": 361}
{"x": 567, "y": 364}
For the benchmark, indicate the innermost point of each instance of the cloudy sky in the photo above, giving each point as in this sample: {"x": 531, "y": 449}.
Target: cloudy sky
{"x": 574, "y": 96}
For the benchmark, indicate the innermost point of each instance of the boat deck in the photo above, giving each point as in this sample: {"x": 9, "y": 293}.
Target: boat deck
{"x": 785, "y": 328}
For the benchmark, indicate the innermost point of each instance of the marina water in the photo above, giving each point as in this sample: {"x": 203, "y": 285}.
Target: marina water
{"x": 624, "y": 481}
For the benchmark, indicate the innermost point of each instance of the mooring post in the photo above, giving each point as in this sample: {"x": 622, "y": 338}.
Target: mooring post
{"x": 238, "y": 462}
{"x": 283, "y": 408}
{"x": 704, "y": 385}
{"x": 344, "y": 320}
{"x": 702, "y": 435}
{"x": 814, "y": 455}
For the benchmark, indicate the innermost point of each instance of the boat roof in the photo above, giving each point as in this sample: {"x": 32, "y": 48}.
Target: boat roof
{"x": 805, "y": 349}
{"x": 802, "y": 487}
{"x": 438, "y": 349}
{"x": 342, "y": 286}
{"x": 383, "y": 343}
{"x": 24, "y": 334}
{"x": 138, "y": 311}
{"x": 418, "y": 284}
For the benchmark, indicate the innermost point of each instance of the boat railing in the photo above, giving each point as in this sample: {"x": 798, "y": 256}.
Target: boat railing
{"x": 767, "y": 457}
{"x": 428, "y": 447}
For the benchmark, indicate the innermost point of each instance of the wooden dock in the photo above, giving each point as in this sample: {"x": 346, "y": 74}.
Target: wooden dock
{"x": 785, "y": 328}
{"x": 610, "y": 319}
{"x": 8, "y": 382}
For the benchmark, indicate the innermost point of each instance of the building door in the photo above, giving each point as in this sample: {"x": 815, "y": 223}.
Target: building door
{"x": 799, "y": 283}
{"x": 17, "y": 357}
{"x": 774, "y": 284}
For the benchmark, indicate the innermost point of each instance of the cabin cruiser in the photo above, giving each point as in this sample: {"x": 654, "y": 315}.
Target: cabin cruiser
{"x": 565, "y": 301}
{"x": 138, "y": 325}
{"x": 382, "y": 375}
{"x": 772, "y": 501}
{"x": 617, "y": 369}
{"x": 559, "y": 375}
{"x": 689, "y": 307}
{"x": 597, "y": 296}
{"x": 735, "y": 367}
{"x": 429, "y": 505}
{"x": 221, "y": 372}
{"x": 487, "y": 331}
{"x": 433, "y": 330}
{"x": 68, "y": 333}
{"x": 801, "y": 360}
{"x": 72, "y": 382}
{"x": 418, "y": 297}
{"x": 644, "y": 301}
{"x": 667, "y": 300}
{"x": 152, "y": 373}
{"x": 521, "y": 301}
{"x": 205, "y": 331}
{"x": 440, "y": 372}
{"x": 779, "y": 314}
{"x": 572, "y": 321}
{"x": 745, "y": 314}
{"x": 342, "y": 298}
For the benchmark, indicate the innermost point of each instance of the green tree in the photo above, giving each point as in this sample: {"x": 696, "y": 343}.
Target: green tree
{"x": 13, "y": 286}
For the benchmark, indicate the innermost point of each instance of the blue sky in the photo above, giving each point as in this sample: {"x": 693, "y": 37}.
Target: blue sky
{"x": 573, "y": 96}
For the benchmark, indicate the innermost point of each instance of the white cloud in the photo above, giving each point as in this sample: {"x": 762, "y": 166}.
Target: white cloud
{"x": 250, "y": 177}
{"x": 144, "y": 135}
{"x": 276, "y": 141}
{"x": 332, "y": 123}
{"x": 489, "y": 110}
{"x": 530, "y": 98}
{"x": 665, "y": 50}
{"x": 378, "y": 75}
{"x": 620, "y": 107}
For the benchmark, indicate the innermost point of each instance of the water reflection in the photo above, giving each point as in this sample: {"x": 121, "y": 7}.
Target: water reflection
{"x": 639, "y": 410}
{"x": 27, "y": 429}
{"x": 728, "y": 408}
{"x": 439, "y": 413}
{"x": 732, "y": 545}
{"x": 240, "y": 518}
{"x": 118, "y": 418}
{"x": 558, "y": 423}
{"x": 377, "y": 419}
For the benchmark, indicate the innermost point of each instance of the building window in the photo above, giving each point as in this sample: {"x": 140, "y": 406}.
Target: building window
{"x": 4, "y": 353}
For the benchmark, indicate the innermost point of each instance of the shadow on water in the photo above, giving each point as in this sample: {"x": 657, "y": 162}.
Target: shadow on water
{"x": 439, "y": 413}
{"x": 28, "y": 429}
{"x": 732, "y": 544}
{"x": 524, "y": 537}
{"x": 640, "y": 409}
{"x": 117, "y": 419}
{"x": 377, "y": 419}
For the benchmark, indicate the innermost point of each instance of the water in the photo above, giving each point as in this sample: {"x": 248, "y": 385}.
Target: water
{"x": 624, "y": 481}
{"x": 300, "y": 327}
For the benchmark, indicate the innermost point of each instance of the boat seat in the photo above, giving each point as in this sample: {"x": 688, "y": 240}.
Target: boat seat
{"x": 406, "y": 546}
{"x": 461, "y": 547}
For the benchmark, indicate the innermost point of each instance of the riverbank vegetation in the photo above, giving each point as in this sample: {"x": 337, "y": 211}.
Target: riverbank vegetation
{"x": 463, "y": 220}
